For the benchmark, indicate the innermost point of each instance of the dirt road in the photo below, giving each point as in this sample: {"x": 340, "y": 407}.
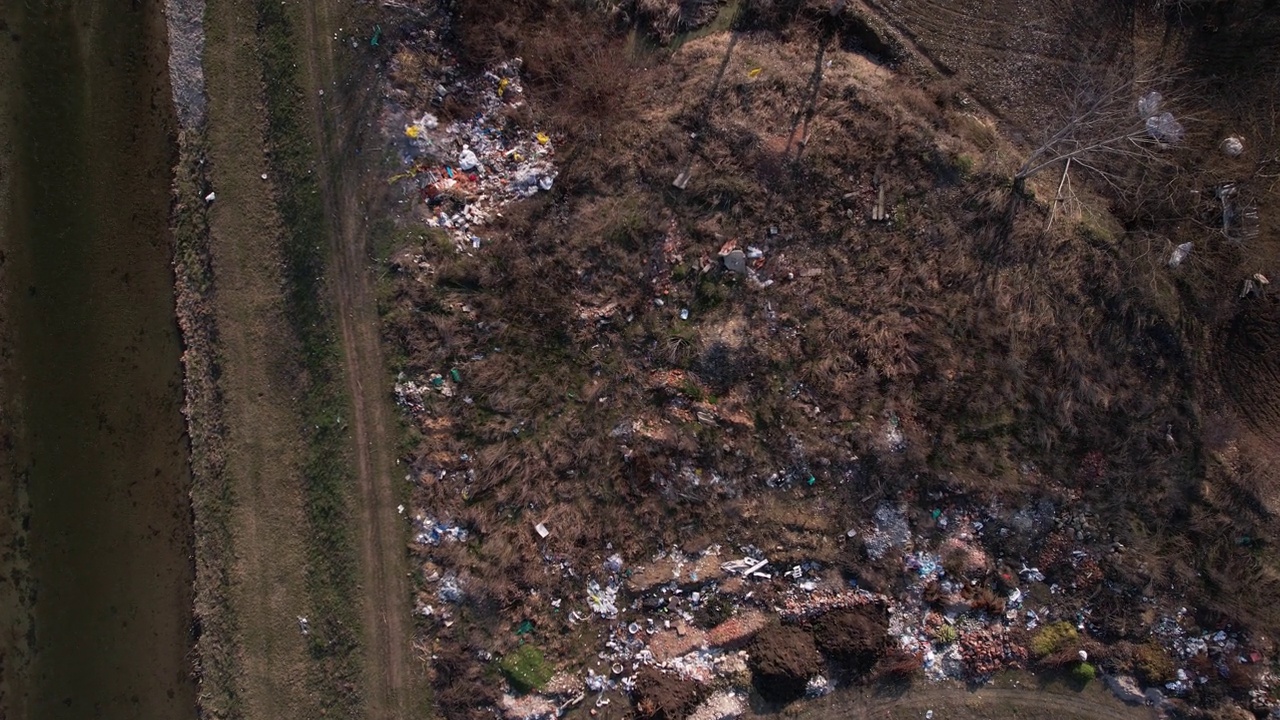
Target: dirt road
{"x": 391, "y": 677}
{"x": 987, "y": 703}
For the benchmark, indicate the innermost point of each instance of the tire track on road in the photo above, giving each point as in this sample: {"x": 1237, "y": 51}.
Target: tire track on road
{"x": 391, "y": 680}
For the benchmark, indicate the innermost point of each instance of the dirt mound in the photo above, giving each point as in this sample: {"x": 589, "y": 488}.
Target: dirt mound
{"x": 855, "y": 637}
{"x": 783, "y": 658}
{"x": 664, "y": 697}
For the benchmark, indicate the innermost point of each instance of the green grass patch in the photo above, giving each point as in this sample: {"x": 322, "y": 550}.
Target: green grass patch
{"x": 1052, "y": 638}
{"x": 1084, "y": 673}
{"x": 526, "y": 668}
{"x": 331, "y": 577}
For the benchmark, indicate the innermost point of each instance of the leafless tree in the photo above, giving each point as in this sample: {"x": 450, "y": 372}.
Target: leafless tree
{"x": 1111, "y": 122}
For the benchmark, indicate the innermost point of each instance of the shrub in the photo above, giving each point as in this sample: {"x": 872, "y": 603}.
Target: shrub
{"x": 1084, "y": 672}
{"x": 898, "y": 666}
{"x": 526, "y": 668}
{"x": 1152, "y": 664}
{"x": 946, "y": 634}
{"x": 1052, "y": 638}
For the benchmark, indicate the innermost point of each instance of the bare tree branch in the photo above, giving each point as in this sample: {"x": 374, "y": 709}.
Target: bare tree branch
{"x": 1110, "y": 117}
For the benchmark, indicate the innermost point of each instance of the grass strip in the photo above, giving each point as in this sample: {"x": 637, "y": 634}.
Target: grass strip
{"x": 331, "y": 564}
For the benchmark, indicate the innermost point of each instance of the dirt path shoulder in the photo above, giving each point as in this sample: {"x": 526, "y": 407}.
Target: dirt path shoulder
{"x": 264, "y": 445}
{"x": 393, "y": 682}
{"x": 985, "y": 703}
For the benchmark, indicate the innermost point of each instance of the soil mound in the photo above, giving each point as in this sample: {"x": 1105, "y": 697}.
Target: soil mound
{"x": 855, "y": 637}
{"x": 782, "y": 660}
{"x": 660, "y": 696}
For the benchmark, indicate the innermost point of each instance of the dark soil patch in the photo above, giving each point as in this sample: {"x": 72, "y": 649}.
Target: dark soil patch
{"x": 661, "y": 696}
{"x": 782, "y": 660}
{"x": 855, "y": 638}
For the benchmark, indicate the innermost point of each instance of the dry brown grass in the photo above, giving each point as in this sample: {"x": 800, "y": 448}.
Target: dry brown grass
{"x": 988, "y": 340}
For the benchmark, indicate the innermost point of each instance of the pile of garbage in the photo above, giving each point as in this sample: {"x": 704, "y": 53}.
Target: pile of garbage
{"x": 652, "y": 616}
{"x": 409, "y": 393}
{"x": 430, "y": 531}
{"x": 890, "y": 531}
{"x": 465, "y": 172}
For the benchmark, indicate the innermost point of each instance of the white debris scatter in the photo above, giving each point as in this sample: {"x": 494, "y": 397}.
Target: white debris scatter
{"x": 603, "y": 600}
{"x": 410, "y": 393}
{"x": 817, "y": 687}
{"x": 614, "y": 563}
{"x": 891, "y": 530}
{"x": 449, "y": 591}
{"x": 528, "y": 707}
{"x": 722, "y": 705}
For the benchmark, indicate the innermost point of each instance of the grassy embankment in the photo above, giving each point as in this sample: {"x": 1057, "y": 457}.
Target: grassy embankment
{"x": 331, "y": 583}
{"x": 211, "y": 500}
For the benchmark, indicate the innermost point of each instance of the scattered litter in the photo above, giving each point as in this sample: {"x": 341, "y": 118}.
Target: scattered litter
{"x": 432, "y": 531}
{"x": 603, "y": 601}
{"x": 449, "y": 591}
{"x": 1165, "y": 128}
{"x": 614, "y": 563}
{"x": 1232, "y": 146}
{"x": 467, "y": 160}
{"x": 1148, "y": 104}
{"x": 211, "y": 197}
{"x": 736, "y": 262}
{"x": 1180, "y": 253}
{"x": 722, "y": 705}
{"x": 542, "y": 530}
{"x": 682, "y": 180}
{"x": 528, "y": 707}
{"x": 891, "y": 531}
{"x": 468, "y": 171}
{"x": 817, "y": 687}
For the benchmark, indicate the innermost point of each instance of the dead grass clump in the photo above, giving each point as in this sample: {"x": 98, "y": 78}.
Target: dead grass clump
{"x": 461, "y": 688}
{"x": 898, "y": 666}
{"x": 663, "y": 19}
